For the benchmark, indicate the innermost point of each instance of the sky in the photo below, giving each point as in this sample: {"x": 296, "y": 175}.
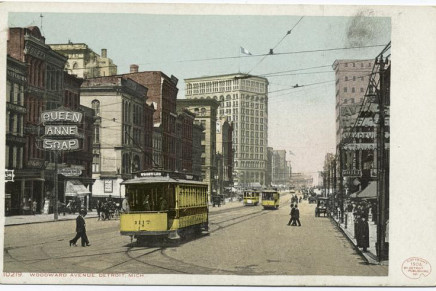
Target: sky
{"x": 301, "y": 120}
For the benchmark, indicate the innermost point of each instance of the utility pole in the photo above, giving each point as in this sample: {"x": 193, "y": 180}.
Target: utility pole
{"x": 334, "y": 184}
{"x": 381, "y": 224}
{"x": 56, "y": 190}
{"x": 341, "y": 184}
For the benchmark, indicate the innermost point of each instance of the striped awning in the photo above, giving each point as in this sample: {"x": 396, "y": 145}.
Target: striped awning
{"x": 75, "y": 188}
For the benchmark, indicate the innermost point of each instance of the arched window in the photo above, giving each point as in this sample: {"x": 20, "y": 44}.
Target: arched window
{"x": 96, "y": 106}
{"x": 203, "y": 111}
{"x": 75, "y": 66}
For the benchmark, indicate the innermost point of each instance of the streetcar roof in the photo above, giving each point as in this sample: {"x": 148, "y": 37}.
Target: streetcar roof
{"x": 161, "y": 180}
{"x": 269, "y": 191}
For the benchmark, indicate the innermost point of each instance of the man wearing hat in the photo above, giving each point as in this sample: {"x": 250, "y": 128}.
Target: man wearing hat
{"x": 81, "y": 230}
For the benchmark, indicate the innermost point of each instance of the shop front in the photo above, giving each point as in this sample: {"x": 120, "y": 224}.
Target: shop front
{"x": 108, "y": 187}
{"x": 76, "y": 191}
{"x": 24, "y": 196}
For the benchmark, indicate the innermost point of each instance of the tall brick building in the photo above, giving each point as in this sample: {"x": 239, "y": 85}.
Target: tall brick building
{"x": 352, "y": 79}
{"x": 16, "y": 85}
{"x": 162, "y": 93}
{"x": 184, "y": 123}
{"x": 205, "y": 111}
{"x": 46, "y": 87}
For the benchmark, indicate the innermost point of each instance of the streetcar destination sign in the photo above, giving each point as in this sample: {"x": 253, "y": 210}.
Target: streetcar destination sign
{"x": 61, "y": 115}
{"x": 62, "y": 145}
{"x": 70, "y": 172}
{"x": 61, "y": 130}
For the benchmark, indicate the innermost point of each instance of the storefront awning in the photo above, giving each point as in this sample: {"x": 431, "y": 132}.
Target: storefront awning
{"x": 354, "y": 195}
{"x": 370, "y": 192}
{"x": 75, "y": 188}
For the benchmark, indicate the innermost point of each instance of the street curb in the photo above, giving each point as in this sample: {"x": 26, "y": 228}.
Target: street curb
{"x": 45, "y": 221}
{"x": 369, "y": 259}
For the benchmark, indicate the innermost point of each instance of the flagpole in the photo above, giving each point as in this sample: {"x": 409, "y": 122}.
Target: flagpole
{"x": 239, "y": 59}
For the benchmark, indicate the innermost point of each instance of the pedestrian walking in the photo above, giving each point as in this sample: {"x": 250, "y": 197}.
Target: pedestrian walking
{"x": 80, "y": 231}
{"x": 363, "y": 238}
{"x": 297, "y": 215}
{"x": 99, "y": 207}
{"x": 291, "y": 221}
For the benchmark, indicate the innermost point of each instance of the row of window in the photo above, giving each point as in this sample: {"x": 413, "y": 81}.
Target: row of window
{"x": 351, "y": 100}
{"x": 15, "y": 93}
{"x": 14, "y": 123}
{"x": 251, "y": 164}
{"x": 225, "y": 86}
{"x": 14, "y": 157}
{"x": 353, "y": 90}
{"x": 130, "y": 163}
{"x": 234, "y": 112}
{"x": 250, "y": 134}
{"x": 353, "y": 64}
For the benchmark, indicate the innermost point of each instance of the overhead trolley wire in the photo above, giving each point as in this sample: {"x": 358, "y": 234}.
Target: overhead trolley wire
{"x": 272, "y": 50}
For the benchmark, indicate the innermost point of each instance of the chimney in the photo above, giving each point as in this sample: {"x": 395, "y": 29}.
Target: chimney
{"x": 104, "y": 53}
{"x": 134, "y": 68}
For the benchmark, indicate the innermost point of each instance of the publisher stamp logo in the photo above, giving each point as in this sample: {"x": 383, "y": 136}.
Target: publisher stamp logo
{"x": 414, "y": 268}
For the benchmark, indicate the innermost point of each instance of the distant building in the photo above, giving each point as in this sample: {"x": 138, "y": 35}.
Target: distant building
{"x": 184, "y": 123}
{"x": 269, "y": 166}
{"x": 301, "y": 180}
{"x": 243, "y": 100}
{"x": 224, "y": 154}
{"x": 205, "y": 111}
{"x": 280, "y": 170}
{"x": 198, "y": 135}
{"x": 84, "y": 62}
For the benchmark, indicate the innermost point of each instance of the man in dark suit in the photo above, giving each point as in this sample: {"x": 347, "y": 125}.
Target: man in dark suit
{"x": 292, "y": 220}
{"x": 296, "y": 216}
{"x": 81, "y": 230}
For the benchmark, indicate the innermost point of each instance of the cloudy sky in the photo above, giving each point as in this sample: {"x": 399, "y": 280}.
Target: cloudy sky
{"x": 301, "y": 120}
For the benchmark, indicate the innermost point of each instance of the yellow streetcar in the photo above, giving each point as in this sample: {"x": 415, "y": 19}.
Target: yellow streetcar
{"x": 270, "y": 199}
{"x": 251, "y": 197}
{"x": 164, "y": 204}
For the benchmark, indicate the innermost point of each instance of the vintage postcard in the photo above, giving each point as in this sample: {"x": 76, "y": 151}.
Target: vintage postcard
{"x": 214, "y": 144}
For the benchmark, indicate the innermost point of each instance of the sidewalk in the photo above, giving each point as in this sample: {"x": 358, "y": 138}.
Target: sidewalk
{"x": 348, "y": 230}
{"x": 40, "y": 218}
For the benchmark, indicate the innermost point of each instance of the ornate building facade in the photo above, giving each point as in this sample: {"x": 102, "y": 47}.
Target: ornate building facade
{"x": 84, "y": 62}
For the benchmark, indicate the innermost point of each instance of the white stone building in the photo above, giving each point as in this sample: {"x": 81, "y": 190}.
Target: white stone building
{"x": 244, "y": 101}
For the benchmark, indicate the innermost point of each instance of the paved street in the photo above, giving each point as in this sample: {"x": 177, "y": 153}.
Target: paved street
{"x": 242, "y": 240}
